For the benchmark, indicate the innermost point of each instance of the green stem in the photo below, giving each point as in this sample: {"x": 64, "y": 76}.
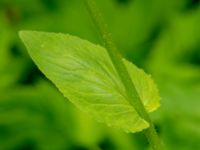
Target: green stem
{"x": 116, "y": 58}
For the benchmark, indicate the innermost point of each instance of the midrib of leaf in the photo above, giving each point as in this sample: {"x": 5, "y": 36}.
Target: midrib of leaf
{"x": 116, "y": 58}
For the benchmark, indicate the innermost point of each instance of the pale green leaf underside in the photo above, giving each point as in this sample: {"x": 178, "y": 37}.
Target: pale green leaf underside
{"x": 84, "y": 73}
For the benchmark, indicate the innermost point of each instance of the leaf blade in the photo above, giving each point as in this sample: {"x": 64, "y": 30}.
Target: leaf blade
{"x": 84, "y": 73}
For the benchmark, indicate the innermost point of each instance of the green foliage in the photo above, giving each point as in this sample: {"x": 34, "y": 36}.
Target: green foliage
{"x": 84, "y": 73}
{"x": 7, "y": 60}
{"x": 178, "y": 50}
{"x": 20, "y": 129}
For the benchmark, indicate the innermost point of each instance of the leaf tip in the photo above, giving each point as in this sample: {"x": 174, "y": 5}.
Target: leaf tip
{"x": 23, "y": 34}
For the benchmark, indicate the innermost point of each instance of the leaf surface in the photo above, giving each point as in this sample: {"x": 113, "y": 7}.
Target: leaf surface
{"x": 84, "y": 73}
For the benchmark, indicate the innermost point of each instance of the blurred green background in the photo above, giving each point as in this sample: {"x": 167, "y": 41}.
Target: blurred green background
{"x": 162, "y": 37}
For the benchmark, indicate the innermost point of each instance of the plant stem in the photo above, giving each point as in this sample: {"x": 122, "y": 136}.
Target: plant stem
{"x": 116, "y": 58}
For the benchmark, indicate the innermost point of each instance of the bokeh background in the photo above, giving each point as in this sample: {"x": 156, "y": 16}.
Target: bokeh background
{"x": 160, "y": 36}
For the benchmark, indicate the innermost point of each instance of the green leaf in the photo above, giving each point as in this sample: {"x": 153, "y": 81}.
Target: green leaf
{"x": 84, "y": 73}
